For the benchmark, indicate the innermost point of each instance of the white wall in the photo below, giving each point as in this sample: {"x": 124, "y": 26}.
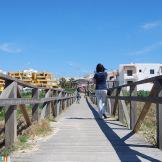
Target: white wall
{"x": 144, "y": 74}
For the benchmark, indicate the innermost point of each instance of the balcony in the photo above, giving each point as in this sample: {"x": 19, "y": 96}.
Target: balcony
{"x": 132, "y": 77}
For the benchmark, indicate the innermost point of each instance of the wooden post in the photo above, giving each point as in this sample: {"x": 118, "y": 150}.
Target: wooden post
{"x": 10, "y": 116}
{"x": 23, "y": 109}
{"x": 48, "y": 106}
{"x": 70, "y": 100}
{"x": 125, "y": 114}
{"x": 46, "y": 109}
{"x": 59, "y": 104}
{"x": 67, "y": 100}
{"x": 54, "y": 108}
{"x": 120, "y": 112}
{"x": 63, "y": 101}
{"x": 35, "y": 108}
{"x": 159, "y": 124}
{"x": 116, "y": 101}
{"x": 133, "y": 107}
{"x": 109, "y": 107}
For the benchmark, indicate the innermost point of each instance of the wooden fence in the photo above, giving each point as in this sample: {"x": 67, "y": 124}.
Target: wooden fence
{"x": 53, "y": 103}
{"x": 118, "y": 98}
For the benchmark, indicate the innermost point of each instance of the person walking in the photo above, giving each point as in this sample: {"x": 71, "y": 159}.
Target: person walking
{"x": 78, "y": 97}
{"x": 101, "y": 89}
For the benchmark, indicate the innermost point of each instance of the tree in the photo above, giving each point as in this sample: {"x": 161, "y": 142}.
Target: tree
{"x": 62, "y": 82}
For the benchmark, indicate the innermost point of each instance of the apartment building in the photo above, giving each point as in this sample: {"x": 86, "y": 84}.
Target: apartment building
{"x": 129, "y": 73}
{"x": 40, "y": 79}
{"x": 2, "y": 82}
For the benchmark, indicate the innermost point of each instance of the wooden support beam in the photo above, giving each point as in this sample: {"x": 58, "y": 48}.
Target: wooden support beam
{"x": 35, "y": 107}
{"x": 23, "y": 109}
{"x": 154, "y": 92}
{"x": 159, "y": 123}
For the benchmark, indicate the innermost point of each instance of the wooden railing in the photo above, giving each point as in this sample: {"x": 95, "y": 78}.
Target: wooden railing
{"x": 53, "y": 103}
{"x": 118, "y": 98}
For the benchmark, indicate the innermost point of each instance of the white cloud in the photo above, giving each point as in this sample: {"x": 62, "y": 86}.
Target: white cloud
{"x": 9, "y": 48}
{"x": 147, "y": 49}
{"x": 151, "y": 25}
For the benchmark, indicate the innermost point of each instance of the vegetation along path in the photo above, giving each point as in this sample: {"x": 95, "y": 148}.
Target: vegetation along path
{"x": 82, "y": 137}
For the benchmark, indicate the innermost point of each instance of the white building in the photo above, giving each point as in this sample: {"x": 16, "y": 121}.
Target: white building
{"x": 134, "y": 72}
{"x": 29, "y": 72}
{"x": 3, "y": 72}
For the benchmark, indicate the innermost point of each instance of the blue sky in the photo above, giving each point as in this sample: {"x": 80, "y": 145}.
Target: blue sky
{"x": 69, "y": 37}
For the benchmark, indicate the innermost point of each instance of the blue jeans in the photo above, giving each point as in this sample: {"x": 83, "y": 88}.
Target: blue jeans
{"x": 101, "y": 101}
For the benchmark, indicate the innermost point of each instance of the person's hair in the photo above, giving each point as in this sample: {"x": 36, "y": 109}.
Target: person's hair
{"x": 100, "y": 68}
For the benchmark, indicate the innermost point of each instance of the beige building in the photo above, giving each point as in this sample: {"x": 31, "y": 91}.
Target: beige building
{"x": 41, "y": 79}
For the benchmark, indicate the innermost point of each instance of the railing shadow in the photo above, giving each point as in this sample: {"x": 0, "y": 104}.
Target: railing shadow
{"x": 123, "y": 150}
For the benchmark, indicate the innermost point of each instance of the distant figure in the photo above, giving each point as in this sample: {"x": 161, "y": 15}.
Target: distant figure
{"x": 78, "y": 89}
{"x": 78, "y": 97}
{"x": 101, "y": 89}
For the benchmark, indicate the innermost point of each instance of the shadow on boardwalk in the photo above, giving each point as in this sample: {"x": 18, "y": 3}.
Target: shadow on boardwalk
{"x": 123, "y": 150}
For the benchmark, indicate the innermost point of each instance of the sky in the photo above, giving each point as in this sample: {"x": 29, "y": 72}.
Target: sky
{"x": 70, "y": 37}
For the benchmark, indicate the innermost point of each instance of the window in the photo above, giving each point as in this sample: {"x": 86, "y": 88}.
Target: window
{"x": 140, "y": 70}
{"x": 129, "y": 72}
{"x": 129, "y": 82}
{"x": 152, "y": 71}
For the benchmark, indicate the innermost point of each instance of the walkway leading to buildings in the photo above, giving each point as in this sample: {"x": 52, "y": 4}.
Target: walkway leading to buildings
{"x": 81, "y": 137}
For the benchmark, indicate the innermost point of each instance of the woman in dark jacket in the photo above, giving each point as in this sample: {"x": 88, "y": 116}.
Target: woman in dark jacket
{"x": 101, "y": 89}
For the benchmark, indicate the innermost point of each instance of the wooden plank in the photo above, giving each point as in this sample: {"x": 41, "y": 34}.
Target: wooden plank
{"x": 139, "y": 98}
{"x": 10, "y": 117}
{"x": 133, "y": 107}
{"x": 23, "y": 109}
{"x": 23, "y": 101}
{"x": 35, "y": 107}
{"x": 154, "y": 92}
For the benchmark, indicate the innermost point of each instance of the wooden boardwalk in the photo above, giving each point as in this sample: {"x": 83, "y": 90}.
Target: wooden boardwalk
{"x": 81, "y": 137}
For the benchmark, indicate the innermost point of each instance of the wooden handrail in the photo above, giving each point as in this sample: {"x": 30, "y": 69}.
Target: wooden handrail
{"x": 155, "y": 96}
{"x": 53, "y": 103}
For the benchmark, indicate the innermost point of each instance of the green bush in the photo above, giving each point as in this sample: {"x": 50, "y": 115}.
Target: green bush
{"x": 143, "y": 93}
